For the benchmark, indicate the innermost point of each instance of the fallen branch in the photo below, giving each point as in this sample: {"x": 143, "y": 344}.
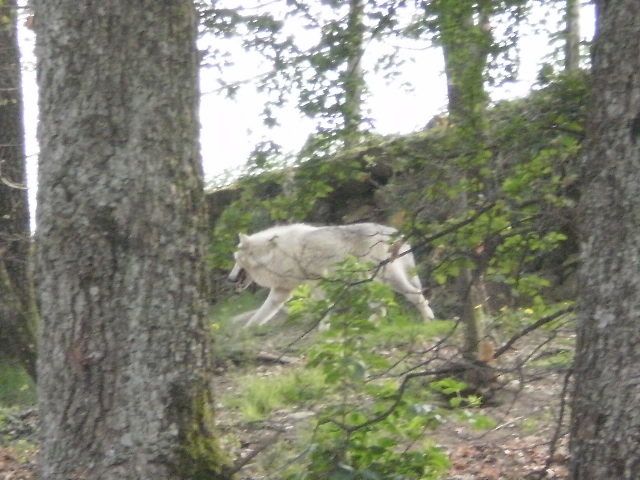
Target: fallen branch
{"x": 241, "y": 462}
{"x": 267, "y": 357}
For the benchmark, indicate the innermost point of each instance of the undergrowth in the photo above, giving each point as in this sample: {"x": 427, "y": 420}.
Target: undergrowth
{"x": 17, "y": 389}
{"x": 258, "y": 397}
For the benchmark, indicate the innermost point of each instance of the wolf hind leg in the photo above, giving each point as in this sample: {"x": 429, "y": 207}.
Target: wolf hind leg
{"x": 402, "y": 282}
{"x": 272, "y": 305}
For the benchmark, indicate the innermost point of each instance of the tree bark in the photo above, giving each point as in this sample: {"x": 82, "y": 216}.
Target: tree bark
{"x": 354, "y": 79}
{"x": 605, "y": 422}
{"x": 465, "y": 36}
{"x": 124, "y": 386}
{"x": 572, "y": 41}
{"x": 18, "y": 315}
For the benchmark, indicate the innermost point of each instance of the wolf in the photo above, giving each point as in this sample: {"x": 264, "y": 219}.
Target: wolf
{"x": 282, "y": 257}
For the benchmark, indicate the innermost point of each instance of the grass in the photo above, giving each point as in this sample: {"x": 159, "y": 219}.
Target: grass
{"x": 258, "y": 397}
{"x": 16, "y": 387}
{"x": 23, "y": 450}
{"x": 232, "y": 343}
{"x": 17, "y": 392}
{"x": 255, "y": 398}
{"x": 477, "y": 421}
{"x": 225, "y": 309}
{"x": 409, "y": 330}
{"x": 299, "y": 399}
{"x": 558, "y": 360}
{"x": 530, "y": 426}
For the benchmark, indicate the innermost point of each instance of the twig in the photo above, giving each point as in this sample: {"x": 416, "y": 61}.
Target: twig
{"x": 398, "y": 398}
{"x": 315, "y": 324}
{"x": 530, "y": 328}
{"x": 275, "y": 358}
{"x": 241, "y": 462}
{"x": 506, "y": 424}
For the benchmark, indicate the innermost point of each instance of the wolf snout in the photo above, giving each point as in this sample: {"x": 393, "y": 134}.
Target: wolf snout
{"x": 239, "y": 277}
{"x": 235, "y": 274}
{"x": 232, "y": 277}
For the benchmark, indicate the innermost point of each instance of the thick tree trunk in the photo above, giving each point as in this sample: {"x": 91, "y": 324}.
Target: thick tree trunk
{"x": 17, "y": 308}
{"x": 605, "y": 423}
{"x": 124, "y": 385}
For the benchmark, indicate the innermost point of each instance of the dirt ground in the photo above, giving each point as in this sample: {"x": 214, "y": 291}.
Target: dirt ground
{"x": 517, "y": 448}
{"x": 525, "y": 443}
{"x": 525, "y": 412}
{"x": 17, "y": 445}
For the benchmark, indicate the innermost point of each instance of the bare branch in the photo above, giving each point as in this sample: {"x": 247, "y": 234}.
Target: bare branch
{"x": 530, "y": 328}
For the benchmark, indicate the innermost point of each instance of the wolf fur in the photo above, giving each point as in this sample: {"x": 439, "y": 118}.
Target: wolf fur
{"x": 282, "y": 257}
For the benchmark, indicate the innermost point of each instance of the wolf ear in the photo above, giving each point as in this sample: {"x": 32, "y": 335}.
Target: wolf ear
{"x": 242, "y": 239}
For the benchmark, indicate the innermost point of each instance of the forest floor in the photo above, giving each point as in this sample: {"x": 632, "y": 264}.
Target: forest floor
{"x": 18, "y": 447}
{"x": 516, "y": 445}
{"x": 518, "y": 448}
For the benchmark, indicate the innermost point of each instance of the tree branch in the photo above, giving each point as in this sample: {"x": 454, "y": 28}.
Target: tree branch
{"x": 530, "y": 328}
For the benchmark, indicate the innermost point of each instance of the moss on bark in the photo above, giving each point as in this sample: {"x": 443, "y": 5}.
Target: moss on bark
{"x": 200, "y": 457}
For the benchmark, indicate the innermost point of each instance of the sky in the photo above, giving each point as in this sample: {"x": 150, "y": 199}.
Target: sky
{"x": 230, "y": 128}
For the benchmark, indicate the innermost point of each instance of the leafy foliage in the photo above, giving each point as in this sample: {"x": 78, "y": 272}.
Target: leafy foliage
{"x": 317, "y": 55}
{"x": 517, "y": 227}
{"x": 320, "y": 68}
{"x": 372, "y": 427}
{"x": 516, "y": 232}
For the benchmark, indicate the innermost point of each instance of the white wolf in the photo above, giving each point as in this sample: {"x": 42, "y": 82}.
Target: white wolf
{"x": 283, "y": 257}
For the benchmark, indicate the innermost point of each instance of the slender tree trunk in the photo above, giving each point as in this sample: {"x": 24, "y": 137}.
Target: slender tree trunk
{"x": 605, "y": 422}
{"x": 572, "y": 45}
{"x": 354, "y": 80}
{"x": 465, "y": 36}
{"x": 17, "y": 307}
{"x": 473, "y": 314}
{"x": 124, "y": 385}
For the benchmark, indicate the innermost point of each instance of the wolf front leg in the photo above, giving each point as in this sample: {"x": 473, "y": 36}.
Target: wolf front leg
{"x": 272, "y": 305}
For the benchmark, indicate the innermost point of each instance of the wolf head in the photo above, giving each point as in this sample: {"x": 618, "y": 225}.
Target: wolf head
{"x": 240, "y": 277}
{"x": 239, "y": 274}
{"x": 244, "y": 251}
{"x": 254, "y": 254}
